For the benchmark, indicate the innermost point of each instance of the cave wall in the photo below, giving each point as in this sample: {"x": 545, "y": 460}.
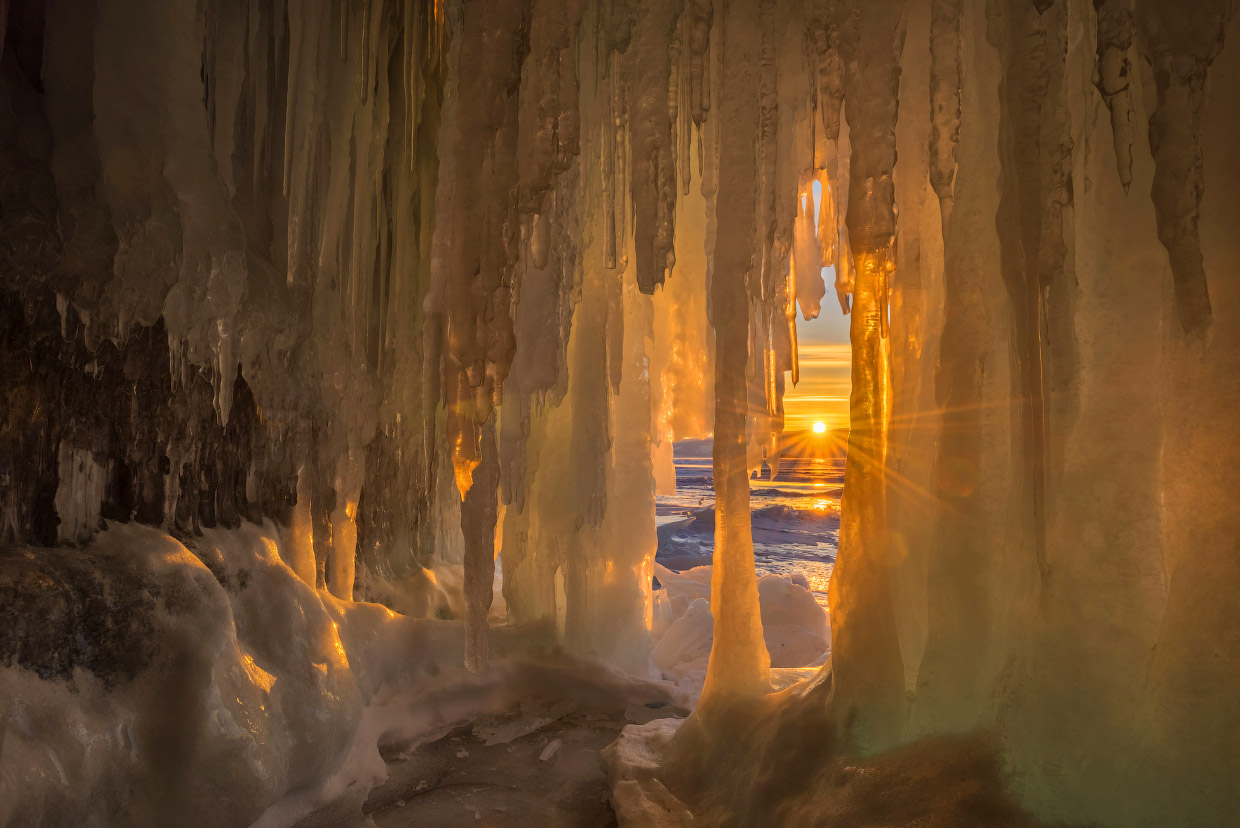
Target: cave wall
{"x": 213, "y": 276}
{"x": 1063, "y": 540}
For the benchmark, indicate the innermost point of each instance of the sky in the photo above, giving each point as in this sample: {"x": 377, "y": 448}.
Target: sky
{"x": 825, "y": 360}
{"x": 822, "y": 393}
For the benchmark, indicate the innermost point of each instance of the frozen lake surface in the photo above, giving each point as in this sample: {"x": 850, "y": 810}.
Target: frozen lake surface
{"x": 796, "y": 517}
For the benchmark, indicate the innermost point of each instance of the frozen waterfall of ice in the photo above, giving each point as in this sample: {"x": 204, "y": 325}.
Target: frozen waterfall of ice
{"x": 316, "y": 315}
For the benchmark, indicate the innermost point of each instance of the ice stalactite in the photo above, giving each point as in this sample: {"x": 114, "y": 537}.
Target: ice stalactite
{"x": 699, "y": 15}
{"x": 681, "y": 365}
{"x": 347, "y": 485}
{"x": 1187, "y": 716}
{"x": 944, "y": 99}
{"x": 1114, "y": 77}
{"x": 966, "y": 624}
{"x": 806, "y": 254}
{"x": 484, "y": 223}
{"x": 607, "y": 583}
{"x": 916, "y": 310}
{"x": 1034, "y": 221}
{"x": 827, "y": 20}
{"x": 576, "y": 429}
{"x": 652, "y": 139}
{"x": 484, "y": 251}
{"x": 1181, "y": 43}
{"x": 868, "y": 689}
{"x": 478, "y": 515}
{"x": 739, "y": 662}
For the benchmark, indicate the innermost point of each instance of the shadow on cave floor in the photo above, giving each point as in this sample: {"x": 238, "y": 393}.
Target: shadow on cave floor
{"x": 547, "y": 777}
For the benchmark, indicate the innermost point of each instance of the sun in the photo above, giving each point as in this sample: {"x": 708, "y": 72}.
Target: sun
{"x": 820, "y": 427}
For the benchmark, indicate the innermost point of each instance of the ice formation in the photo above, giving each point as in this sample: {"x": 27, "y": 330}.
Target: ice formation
{"x": 333, "y": 312}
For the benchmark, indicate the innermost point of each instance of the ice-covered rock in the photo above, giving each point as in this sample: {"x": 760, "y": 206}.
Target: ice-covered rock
{"x": 143, "y": 678}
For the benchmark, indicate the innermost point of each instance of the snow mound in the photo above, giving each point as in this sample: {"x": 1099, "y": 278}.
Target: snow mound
{"x": 796, "y": 628}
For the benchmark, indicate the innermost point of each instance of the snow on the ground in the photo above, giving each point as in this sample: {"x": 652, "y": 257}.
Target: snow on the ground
{"x": 157, "y": 674}
{"x": 795, "y": 626}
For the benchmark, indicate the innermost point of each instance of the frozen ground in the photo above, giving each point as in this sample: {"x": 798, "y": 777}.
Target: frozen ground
{"x": 206, "y": 680}
{"x": 509, "y": 770}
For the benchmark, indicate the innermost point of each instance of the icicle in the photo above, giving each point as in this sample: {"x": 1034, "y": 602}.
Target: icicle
{"x": 651, "y": 63}
{"x": 538, "y": 241}
{"x": 945, "y": 100}
{"x": 806, "y": 253}
{"x": 1182, "y": 42}
{"x": 739, "y": 662}
{"x": 344, "y": 30}
{"x": 620, "y": 145}
{"x": 227, "y": 368}
{"x": 609, "y": 181}
{"x": 699, "y": 14}
{"x": 62, "y": 308}
{"x": 485, "y": 242}
{"x": 364, "y": 62}
{"x": 675, "y": 50}
{"x": 843, "y": 270}
{"x": 1113, "y": 75}
{"x": 684, "y": 123}
{"x": 869, "y": 684}
{"x": 615, "y": 329}
{"x": 479, "y": 512}
{"x": 790, "y": 318}
{"x": 824, "y": 34}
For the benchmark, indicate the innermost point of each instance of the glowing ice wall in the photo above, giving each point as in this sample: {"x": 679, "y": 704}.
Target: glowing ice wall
{"x": 1041, "y": 485}
{"x": 223, "y": 236}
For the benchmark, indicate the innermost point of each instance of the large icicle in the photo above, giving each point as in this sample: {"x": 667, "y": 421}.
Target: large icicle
{"x": 486, "y": 238}
{"x": 1113, "y": 75}
{"x": 1181, "y": 41}
{"x": 944, "y": 100}
{"x": 739, "y": 662}
{"x": 868, "y": 690}
{"x": 478, "y": 516}
{"x": 652, "y": 139}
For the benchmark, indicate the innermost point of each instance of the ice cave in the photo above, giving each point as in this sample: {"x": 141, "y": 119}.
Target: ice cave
{"x": 431, "y": 413}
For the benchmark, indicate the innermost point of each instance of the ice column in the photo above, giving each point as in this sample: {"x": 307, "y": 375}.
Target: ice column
{"x": 739, "y": 662}
{"x": 868, "y": 671}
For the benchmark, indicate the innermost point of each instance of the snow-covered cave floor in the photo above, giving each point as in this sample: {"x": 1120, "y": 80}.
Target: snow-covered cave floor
{"x": 147, "y": 682}
{"x": 508, "y": 770}
{"x": 206, "y": 679}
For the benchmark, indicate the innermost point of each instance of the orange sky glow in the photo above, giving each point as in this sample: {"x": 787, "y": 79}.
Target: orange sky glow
{"x": 826, "y": 369}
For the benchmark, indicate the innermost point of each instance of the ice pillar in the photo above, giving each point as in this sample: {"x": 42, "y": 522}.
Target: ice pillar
{"x": 739, "y": 662}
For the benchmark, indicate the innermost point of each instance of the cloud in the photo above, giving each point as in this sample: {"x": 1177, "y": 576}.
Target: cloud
{"x": 823, "y": 392}
{"x": 815, "y": 355}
